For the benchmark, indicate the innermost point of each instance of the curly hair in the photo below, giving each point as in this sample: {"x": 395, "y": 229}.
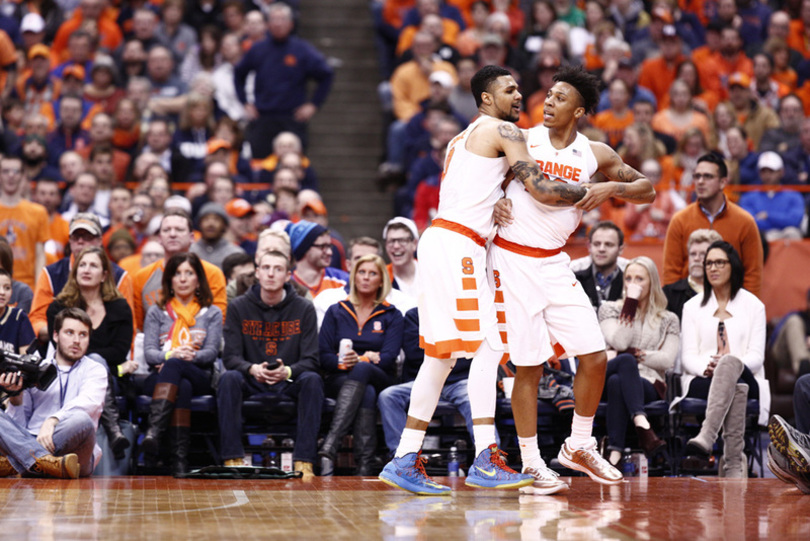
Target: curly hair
{"x": 585, "y": 83}
{"x": 71, "y": 295}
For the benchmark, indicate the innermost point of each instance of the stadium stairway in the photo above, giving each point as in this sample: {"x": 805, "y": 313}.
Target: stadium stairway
{"x": 346, "y": 136}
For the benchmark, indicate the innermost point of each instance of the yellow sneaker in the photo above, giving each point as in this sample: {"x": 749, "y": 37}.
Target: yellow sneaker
{"x": 306, "y": 469}
{"x": 6, "y": 469}
{"x": 234, "y": 463}
{"x": 60, "y": 467}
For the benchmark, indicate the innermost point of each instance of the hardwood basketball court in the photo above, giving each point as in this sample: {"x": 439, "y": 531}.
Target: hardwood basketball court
{"x": 685, "y": 508}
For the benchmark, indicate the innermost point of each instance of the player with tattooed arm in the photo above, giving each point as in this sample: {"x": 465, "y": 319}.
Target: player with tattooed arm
{"x": 540, "y": 295}
{"x": 456, "y": 301}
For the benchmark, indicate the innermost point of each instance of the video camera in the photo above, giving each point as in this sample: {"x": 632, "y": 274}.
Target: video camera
{"x": 35, "y": 372}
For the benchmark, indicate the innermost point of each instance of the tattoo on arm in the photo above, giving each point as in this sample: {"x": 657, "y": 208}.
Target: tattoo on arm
{"x": 557, "y": 194}
{"x": 509, "y": 131}
{"x": 627, "y": 174}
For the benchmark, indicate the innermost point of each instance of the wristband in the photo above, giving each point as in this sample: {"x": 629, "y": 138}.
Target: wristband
{"x": 289, "y": 372}
{"x": 120, "y": 371}
{"x": 167, "y": 356}
{"x": 363, "y": 359}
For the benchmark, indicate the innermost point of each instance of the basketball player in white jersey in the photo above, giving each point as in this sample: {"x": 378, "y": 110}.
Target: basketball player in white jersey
{"x": 456, "y": 301}
{"x": 540, "y": 293}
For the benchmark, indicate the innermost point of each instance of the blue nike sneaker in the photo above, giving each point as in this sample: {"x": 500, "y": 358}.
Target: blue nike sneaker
{"x": 408, "y": 473}
{"x": 490, "y": 471}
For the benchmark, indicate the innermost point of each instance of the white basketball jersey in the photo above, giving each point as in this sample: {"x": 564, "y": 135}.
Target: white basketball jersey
{"x": 471, "y": 185}
{"x": 542, "y": 226}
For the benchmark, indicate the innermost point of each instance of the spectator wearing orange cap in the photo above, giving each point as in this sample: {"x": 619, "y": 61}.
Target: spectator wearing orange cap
{"x": 751, "y": 115}
{"x": 80, "y": 53}
{"x": 37, "y": 86}
{"x": 241, "y": 230}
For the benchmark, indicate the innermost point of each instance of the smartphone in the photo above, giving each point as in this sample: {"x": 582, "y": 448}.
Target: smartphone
{"x": 272, "y": 365}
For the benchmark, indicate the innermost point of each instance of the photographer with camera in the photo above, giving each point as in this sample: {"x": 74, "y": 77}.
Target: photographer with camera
{"x": 52, "y": 431}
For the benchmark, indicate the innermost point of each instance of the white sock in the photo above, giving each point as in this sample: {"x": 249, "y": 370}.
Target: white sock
{"x": 530, "y": 453}
{"x": 484, "y": 436}
{"x": 581, "y": 431}
{"x": 410, "y": 442}
{"x": 641, "y": 422}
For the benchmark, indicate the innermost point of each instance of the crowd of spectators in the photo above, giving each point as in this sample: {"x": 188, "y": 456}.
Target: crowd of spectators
{"x": 680, "y": 78}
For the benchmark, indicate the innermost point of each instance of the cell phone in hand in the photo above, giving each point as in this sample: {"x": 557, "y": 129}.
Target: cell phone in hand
{"x": 272, "y": 365}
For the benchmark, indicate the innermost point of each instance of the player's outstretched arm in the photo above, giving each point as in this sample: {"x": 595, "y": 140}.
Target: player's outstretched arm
{"x": 623, "y": 183}
{"x": 556, "y": 194}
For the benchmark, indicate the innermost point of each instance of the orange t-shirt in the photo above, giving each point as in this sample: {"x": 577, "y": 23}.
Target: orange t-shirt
{"x": 60, "y": 232}
{"x": 662, "y": 122}
{"x": 657, "y": 76}
{"x": 798, "y": 39}
{"x": 8, "y": 57}
{"x": 24, "y": 226}
{"x": 613, "y": 125}
{"x": 109, "y": 35}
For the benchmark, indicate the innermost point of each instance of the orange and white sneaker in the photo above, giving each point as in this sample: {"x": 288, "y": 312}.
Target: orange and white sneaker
{"x": 590, "y": 462}
{"x": 546, "y": 481}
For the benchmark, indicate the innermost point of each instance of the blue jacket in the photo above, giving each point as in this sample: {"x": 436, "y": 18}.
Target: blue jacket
{"x": 381, "y": 332}
{"x": 785, "y": 209}
{"x": 282, "y": 71}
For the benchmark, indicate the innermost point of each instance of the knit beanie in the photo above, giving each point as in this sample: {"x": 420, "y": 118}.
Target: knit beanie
{"x": 302, "y": 236}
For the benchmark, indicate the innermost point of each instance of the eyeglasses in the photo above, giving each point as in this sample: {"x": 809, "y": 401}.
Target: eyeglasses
{"x": 719, "y": 263}
{"x": 401, "y": 242}
{"x": 324, "y": 246}
{"x": 704, "y": 176}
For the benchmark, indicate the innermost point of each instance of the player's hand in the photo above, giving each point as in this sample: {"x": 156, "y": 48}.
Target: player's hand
{"x": 597, "y": 194}
{"x": 45, "y": 436}
{"x": 304, "y": 112}
{"x": 503, "y": 212}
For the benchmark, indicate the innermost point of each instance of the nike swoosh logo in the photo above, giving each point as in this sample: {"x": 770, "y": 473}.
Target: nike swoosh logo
{"x": 534, "y": 146}
{"x": 575, "y": 284}
{"x": 488, "y": 473}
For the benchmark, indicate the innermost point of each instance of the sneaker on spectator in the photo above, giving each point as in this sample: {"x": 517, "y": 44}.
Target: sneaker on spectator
{"x": 546, "y": 481}
{"x": 490, "y": 471}
{"x": 408, "y": 473}
{"x": 783, "y": 469}
{"x": 794, "y": 445}
{"x": 589, "y": 461}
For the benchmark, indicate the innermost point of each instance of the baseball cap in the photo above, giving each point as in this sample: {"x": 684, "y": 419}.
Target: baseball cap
{"x": 177, "y": 202}
{"x": 32, "y": 22}
{"x": 407, "y": 222}
{"x": 238, "y": 208}
{"x": 739, "y": 79}
{"x": 662, "y": 13}
{"x": 492, "y": 39}
{"x": 75, "y": 70}
{"x": 39, "y": 50}
{"x": 217, "y": 144}
{"x": 770, "y": 160}
{"x": 316, "y": 206}
{"x": 87, "y": 221}
{"x": 443, "y": 78}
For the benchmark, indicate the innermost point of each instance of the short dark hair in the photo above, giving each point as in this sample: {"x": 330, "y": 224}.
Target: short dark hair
{"x": 587, "y": 84}
{"x": 233, "y": 261}
{"x": 607, "y": 224}
{"x": 71, "y": 313}
{"x": 203, "y": 293}
{"x": 483, "y": 79}
{"x": 274, "y": 253}
{"x": 737, "y": 270}
{"x": 365, "y": 241}
{"x": 716, "y": 159}
{"x": 100, "y": 150}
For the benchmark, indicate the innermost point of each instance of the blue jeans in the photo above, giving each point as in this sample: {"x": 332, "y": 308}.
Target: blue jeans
{"x": 801, "y": 403}
{"x": 393, "y": 403}
{"x": 306, "y": 390}
{"x": 76, "y": 433}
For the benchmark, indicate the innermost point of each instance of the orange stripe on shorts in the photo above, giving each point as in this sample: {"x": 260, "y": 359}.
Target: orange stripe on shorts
{"x": 499, "y": 296}
{"x": 503, "y": 337}
{"x": 468, "y": 284}
{"x": 467, "y": 325}
{"x": 501, "y": 317}
{"x": 466, "y": 304}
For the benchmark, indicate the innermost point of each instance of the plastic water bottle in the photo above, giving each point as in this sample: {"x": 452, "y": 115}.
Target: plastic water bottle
{"x": 628, "y": 464}
{"x": 452, "y": 462}
{"x": 643, "y": 466}
{"x": 286, "y": 454}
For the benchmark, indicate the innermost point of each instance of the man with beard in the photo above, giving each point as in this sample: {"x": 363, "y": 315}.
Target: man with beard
{"x": 212, "y": 222}
{"x": 52, "y": 432}
{"x": 312, "y": 250}
{"x": 35, "y": 159}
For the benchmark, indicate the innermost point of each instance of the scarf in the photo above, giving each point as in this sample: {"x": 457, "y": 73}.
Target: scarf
{"x": 183, "y": 317}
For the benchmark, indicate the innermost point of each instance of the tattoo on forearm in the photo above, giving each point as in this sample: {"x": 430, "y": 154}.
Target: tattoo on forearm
{"x": 509, "y": 131}
{"x": 625, "y": 175}
{"x": 557, "y": 194}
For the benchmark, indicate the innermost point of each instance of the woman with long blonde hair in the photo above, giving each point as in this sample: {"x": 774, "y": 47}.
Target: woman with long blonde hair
{"x": 375, "y": 328}
{"x": 644, "y": 337}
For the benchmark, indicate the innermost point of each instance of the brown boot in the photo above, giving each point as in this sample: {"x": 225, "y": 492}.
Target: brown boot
{"x": 6, "y": 469}
{"x": 306, "y": 469}
{"x": 60, "y": 467}
{"x": 649, "y": 441}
